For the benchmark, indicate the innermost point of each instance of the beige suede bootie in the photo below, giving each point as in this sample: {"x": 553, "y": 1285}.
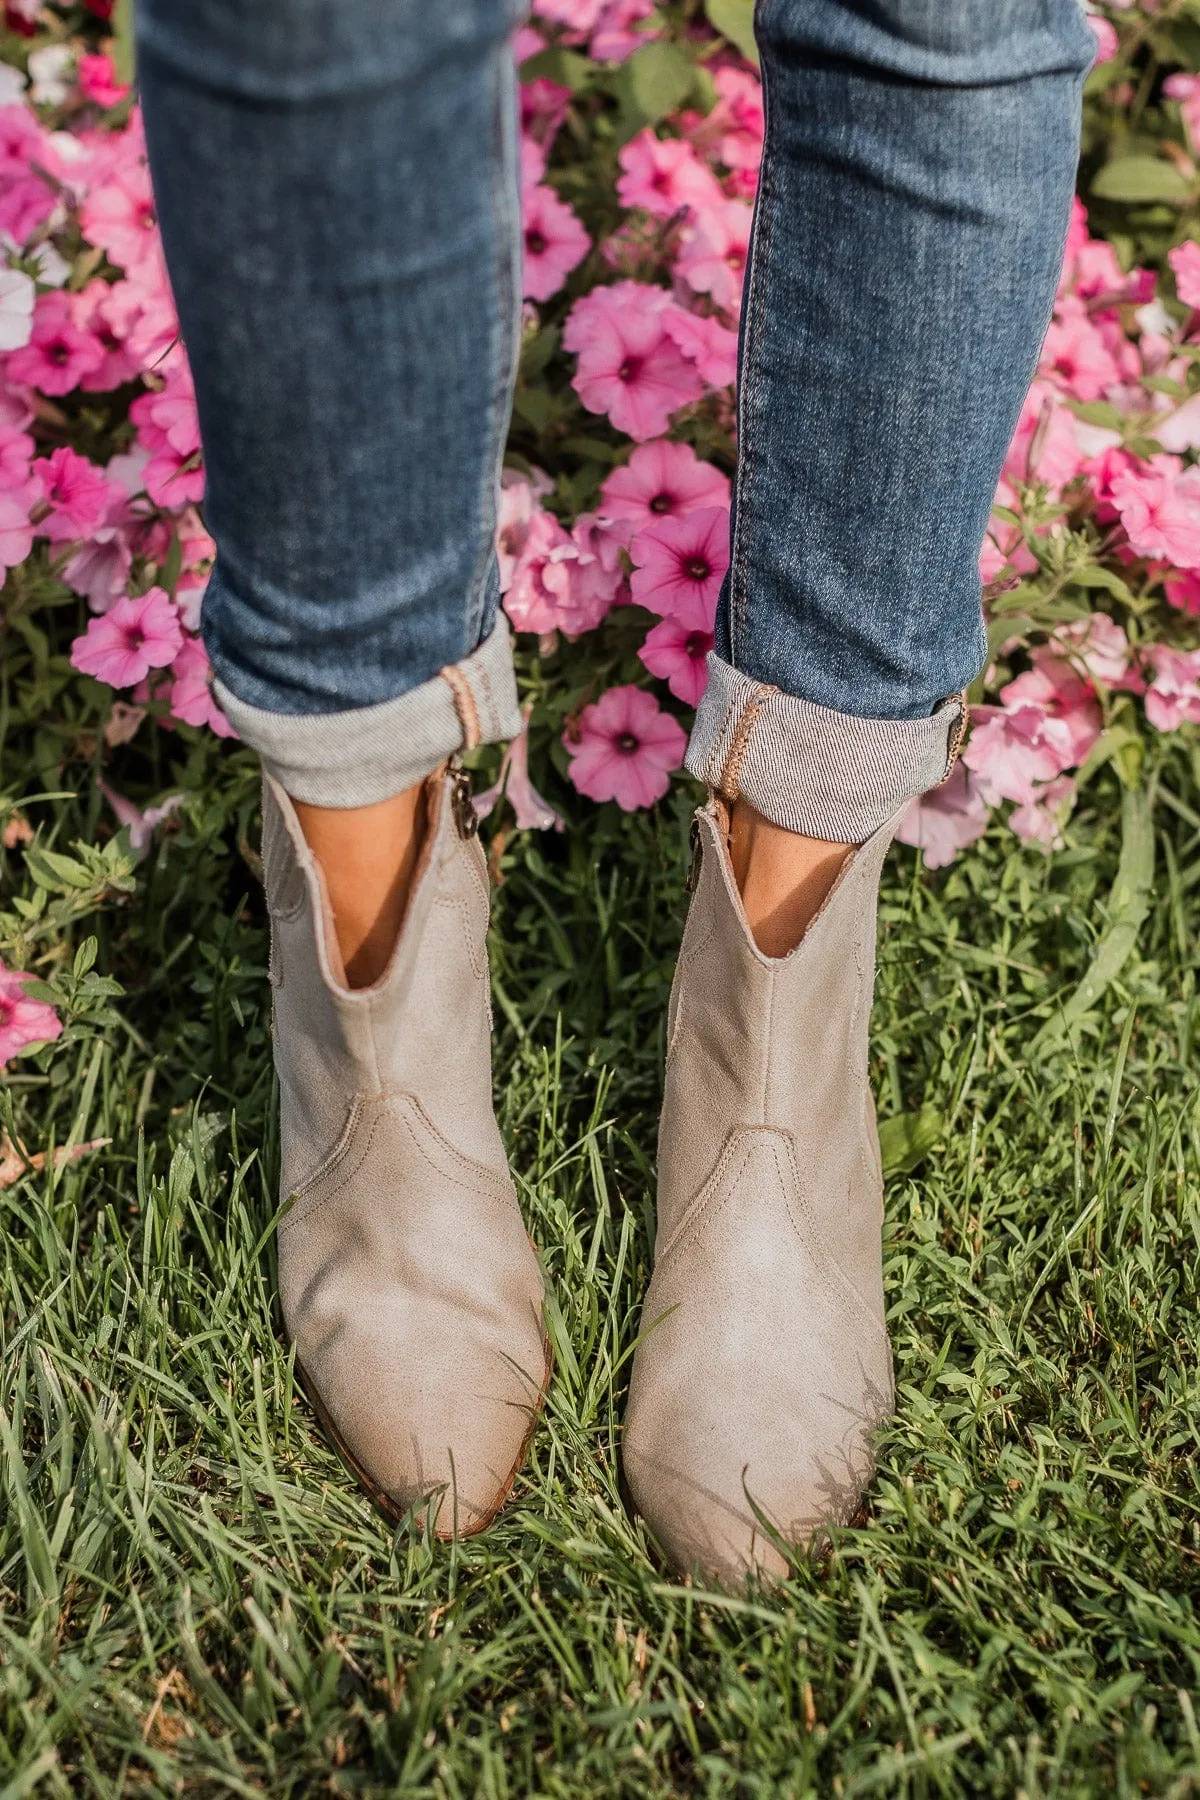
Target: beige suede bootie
{"x": 409, "y": 1286}
{"x": 764, "y": 1365}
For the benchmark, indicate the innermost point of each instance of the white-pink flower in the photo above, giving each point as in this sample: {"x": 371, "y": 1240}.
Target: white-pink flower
{"x": 945, "y": 820}
{"x": 1159, "y": 506}
{"x": 1173, "y": 696}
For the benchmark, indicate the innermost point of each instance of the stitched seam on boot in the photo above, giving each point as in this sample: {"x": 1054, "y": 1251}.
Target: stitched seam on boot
{"x": 810, "y": 1240}
{"x": 477, "y": 959}
{"x": 484, "y": 1183}
{"x": 303, "y": 1189}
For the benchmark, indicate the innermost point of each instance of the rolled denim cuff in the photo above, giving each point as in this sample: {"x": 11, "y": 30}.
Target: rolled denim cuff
{"x": 823, "y": 773}
{"x": 372, "y": 752}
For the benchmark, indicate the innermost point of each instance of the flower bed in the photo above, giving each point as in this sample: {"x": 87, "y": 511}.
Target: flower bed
{"x": 641, "y": 138}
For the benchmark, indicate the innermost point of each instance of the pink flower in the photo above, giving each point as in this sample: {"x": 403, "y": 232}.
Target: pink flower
{"x": 533, "y": 813}
{"x": 680, "y": 564}
{"x": 58, "y": 353}
{"x": 1186, "y": 89}
{"x": 1075, "y": 352}
{"x": 519, "y": 498}
{"x": 706, "y": 343}
{"x": 142, "y": 825}
{"x": 1107, "y": 42}
{"x": 678, "y": 654}
{"x": 945, "y": 820}
{"x": 191, "y": 695}
{"x": 16, "y": 448}
{"x": 543, "y": 107}
{"x": 99, "y": 569}
{"x": 1160, "y": 510}
{"x": 16, "y": 528}
{"x": 664, "y": 176}
{"x": 1039, "y": 822}
{"x": 98, "y": 81}
{"x": 23, "y": 1021}
{"x": 1184, "y": 591}
{"x": 25, "y": 204}
{"x": 119, "y": 216}
{"x": 1047, "y": 722}
{"x": 618, "y": 32}
{"x": 1045, "y": 445}
{"x": 661, "y": 480}
{"x": 79, "y": 495}
{"x": 713, "y": 258}
{"x": 1173, "y": 697}
{"x": 624, "y": 748}
{"x": 168, "y": 426}
{"x": 110, "y": 311}
{"x": 556, "y": 585}
{"x": 628, "y": 366}
{"x": 555, "y": 242}
{"x": 1098, "y": 645}
{"x": 132, "y": 638}
{"x": 1185, "y": 261}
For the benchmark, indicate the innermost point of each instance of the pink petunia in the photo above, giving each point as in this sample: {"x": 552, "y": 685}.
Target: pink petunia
{"x": 664, "y": 176}
{"x": 1183, "y": 591}
{"x": 1039, "y": 822}
{"x": 99, "y": 569}
{"x": 1185, "y": 261}
{"x": 191, "y": 695}
{"x": 110, "y": 311}
{"x": 678, "y": 654}
{"x": 1173, "y": 696}
{"x": 141, "y": 824}
{"x": 628, "y": 366}
{"x": 16, "y": 449}
{"x": 1075, "y": 353}
{"x": 1098, "y": 645}
{"x": 1186, "y": 89}
{"x": 555, "y": 242}
{"x": 78, "y": 493}
{"x": 119, "y": 217}
{"x": 531, "y": 810}
{"x": 133, "y": 637}
{"x": 1160, "y": 509}
{"x": 624, "y": 748}
{"x": 621, "y": 30}
{"x": 554, "y": 585}
{"x": 945, "y": 820}
{"x": 23, "y": 1021}
{"x": 713, "y": 258}
{"x": 544, "y": 106}
{"x": 679, "y": 564}
{"x": 712, "y": 348}
{"x": 1105, "y": 34}
{"x": 16, "y": 527}
{"x": 1047, "y": 722}
{"x": 98, "y": 81}
{"x": 59, "y": 354}
{"x": 661, "y": 480}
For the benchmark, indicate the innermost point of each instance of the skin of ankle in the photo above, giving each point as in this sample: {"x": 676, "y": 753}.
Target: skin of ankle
{"x": 368, "y": 855}
{"x": 782, "y": 876}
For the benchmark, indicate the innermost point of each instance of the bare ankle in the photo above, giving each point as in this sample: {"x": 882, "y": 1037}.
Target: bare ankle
{"x": 782, "y": 876}
{"x": 368, "y": 856}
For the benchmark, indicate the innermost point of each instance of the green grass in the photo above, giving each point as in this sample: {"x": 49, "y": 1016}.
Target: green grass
{"x": 193, "y": 1597}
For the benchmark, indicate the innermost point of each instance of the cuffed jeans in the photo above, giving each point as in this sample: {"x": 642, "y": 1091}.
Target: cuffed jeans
{"x": 338, "y": 198}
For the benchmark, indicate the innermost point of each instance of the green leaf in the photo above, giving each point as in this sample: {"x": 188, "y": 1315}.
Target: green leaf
{"x": 567, "y": 67}
{"x": 1096, "y": 577}
{"x": 1128, "y": 904}
{"x": 907, "y": 1138}
{"x": 654, "y": 81}
{"x": 1097, "y": 412}
{"x": 734, "y": 19}
{"x": 1139, "y": 180}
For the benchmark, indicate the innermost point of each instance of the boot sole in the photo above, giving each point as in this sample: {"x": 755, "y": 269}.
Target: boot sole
{"x": 381, "y": 1499}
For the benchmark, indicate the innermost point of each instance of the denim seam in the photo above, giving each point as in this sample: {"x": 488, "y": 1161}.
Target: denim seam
{"x": 748, "y": 385}
{"x": 506, "y": 339}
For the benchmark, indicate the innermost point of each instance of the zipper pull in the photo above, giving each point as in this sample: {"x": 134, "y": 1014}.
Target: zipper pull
{"x": 693, "y": 874}
{"x": 462, "y": 803}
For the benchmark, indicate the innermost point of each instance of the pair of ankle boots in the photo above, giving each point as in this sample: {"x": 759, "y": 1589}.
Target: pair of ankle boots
{"x": 414, "y": 1296}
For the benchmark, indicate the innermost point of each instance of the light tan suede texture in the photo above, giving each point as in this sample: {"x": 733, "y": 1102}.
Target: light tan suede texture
{"x": 409, "y": 1286}
{"x": 764, "y": 1366}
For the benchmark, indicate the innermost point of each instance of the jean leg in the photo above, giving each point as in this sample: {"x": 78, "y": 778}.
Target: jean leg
{"x": 337, "y": 194}
{"x": 913, "y": 205}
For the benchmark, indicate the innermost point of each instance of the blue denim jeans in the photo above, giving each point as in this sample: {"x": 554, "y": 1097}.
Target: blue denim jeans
{"x": 337, "y": 192}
